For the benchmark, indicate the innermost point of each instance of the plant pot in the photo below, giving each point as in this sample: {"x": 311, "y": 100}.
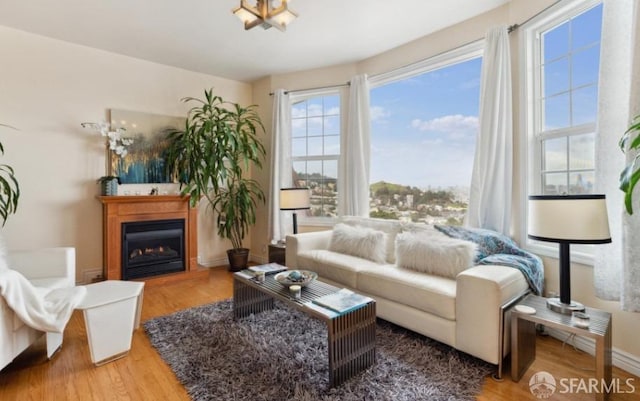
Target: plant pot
{"x": 109, "y": 187}
{"x": 238, "y": 259}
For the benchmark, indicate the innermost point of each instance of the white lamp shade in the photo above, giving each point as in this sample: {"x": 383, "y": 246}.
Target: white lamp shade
{"x": 580, "y": 219}
{"x": 295, "y": 198}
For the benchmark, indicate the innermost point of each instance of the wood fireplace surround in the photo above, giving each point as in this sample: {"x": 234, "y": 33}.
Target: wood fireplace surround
{"x": 123, "y": 209}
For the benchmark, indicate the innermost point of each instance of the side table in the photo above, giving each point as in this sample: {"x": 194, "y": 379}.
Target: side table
{"x": 523, "y": 337}
{"x": 277, "y": 254}
{"x": 111, "y": 313}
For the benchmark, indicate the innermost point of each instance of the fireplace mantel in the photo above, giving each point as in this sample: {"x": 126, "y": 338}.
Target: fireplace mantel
{"x": 123, "y": 209}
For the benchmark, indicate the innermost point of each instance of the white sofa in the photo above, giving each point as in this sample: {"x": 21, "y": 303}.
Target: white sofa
{"x": 465, "y": 312}
{"x": 49, "y": 268}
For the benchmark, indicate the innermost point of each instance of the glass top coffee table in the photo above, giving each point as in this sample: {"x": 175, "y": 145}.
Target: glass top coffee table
{"x": 351, "y": 336}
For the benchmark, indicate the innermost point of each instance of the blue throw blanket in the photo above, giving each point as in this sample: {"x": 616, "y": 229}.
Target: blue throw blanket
{"x": 497, "y": 249}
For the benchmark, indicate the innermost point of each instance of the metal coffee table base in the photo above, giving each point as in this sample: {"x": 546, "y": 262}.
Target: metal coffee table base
{"x": 351, "y": 336}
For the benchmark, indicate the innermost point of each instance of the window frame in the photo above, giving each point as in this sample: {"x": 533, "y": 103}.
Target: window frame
{"x": 531, "y": 152}
{"x": 299, "y": 96}
{"x": 458, "y": 55}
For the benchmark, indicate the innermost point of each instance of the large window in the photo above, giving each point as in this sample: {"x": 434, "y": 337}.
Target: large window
{"x": 315, "y": 149}
{"x": 566, "y": 82}
{"x": 424, "y": 124}
{"x": 561, "y": 68}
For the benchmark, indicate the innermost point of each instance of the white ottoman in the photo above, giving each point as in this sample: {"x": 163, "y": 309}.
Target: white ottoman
{"x": 111, "y": 313}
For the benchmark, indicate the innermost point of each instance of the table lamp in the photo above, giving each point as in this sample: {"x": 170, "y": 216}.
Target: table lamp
{"x": 567, "y": 219}
{"x": 295, "y": 199}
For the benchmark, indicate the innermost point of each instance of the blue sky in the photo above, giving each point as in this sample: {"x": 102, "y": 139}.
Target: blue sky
{"x": 424, "y": 128}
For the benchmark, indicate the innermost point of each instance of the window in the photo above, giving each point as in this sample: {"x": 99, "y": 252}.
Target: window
{"x": 315, "y": 149}
{"x": 561, "y": 60}
{"x": 424, "y": 124}
{"x": 566, "y": 54}
{"x": 569, "y": 54}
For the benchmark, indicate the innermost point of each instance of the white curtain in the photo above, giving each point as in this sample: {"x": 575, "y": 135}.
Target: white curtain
{"x": 491, "y": 182}
{"x": 617, "y": 265}
{"x": 280, "y": 164}
{"x": 354, "y": 167}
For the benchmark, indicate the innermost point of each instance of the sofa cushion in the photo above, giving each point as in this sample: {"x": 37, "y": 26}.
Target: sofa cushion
{"x": 434, "y": 254}
{"x": 359, "y": 241}
{"x": 420, "y": 228}
{"x": 428, "y": 293}
{"x": 335, "y": 266}
{"x": 390, "y": 227}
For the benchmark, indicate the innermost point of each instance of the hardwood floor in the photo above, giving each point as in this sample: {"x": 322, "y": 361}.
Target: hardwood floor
{"x": 142, "y": 375}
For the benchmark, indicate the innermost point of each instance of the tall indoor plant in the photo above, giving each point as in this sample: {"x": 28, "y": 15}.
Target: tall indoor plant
{"x": 211, "y": 156}
{"x": 630, "y": 142}
{"x": 9, "y": 188}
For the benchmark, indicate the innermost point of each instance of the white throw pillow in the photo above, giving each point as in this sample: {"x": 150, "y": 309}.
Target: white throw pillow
{"x": 390, "y": 227}
{"x": 442, "y": 256}
{"x": 359, "y": 241}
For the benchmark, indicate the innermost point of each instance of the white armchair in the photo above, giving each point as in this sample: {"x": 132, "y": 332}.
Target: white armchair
{"x": 48, "y": 268}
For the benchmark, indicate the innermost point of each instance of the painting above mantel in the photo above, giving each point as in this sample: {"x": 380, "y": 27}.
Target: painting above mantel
{"x": 145, "y": 161}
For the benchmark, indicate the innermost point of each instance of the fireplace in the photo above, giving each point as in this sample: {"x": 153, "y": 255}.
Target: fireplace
{"x": 120, "y": 210}
{"x": 150, "y": 248}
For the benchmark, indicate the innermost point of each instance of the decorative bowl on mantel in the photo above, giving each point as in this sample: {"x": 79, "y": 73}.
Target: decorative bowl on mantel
{"x": 296, "y": 277}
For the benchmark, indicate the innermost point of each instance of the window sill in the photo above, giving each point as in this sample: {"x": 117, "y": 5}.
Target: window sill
{"x": 317, "y": 222}
{"x": 553, "y": 252}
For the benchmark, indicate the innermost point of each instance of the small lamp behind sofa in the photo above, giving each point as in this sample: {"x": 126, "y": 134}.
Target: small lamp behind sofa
{"x": 295, "y": 199}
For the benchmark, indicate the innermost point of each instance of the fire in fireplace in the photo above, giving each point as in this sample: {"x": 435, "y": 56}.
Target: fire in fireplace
{"x": 154, "y": 247}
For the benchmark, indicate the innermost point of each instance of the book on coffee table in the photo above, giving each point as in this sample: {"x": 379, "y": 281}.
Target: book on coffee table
{"x": 342, "y": 301}
{"x": 268, "y": 268}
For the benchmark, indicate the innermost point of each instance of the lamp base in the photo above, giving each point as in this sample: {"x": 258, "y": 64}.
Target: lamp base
{"x": 566, "y": 309}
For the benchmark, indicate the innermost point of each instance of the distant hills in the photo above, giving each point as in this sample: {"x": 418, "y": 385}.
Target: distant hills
{"x": 383, "y": 190}
{"x": 382, "y": 187}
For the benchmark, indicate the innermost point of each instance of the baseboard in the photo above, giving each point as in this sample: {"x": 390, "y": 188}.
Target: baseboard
{"x": 620, "y": 359}
{"x": 261, "y": 260}
{"x": 213, "y": 262}
{"x": 91, "y": 276}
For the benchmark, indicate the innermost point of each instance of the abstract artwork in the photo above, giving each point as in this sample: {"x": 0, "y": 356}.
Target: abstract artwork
{"x": 145, "y": 160}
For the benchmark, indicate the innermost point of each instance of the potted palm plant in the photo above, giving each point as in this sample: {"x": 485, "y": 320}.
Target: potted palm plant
{"x": 211, "y": 156}
{"x": 9, "y": 188}
{"x": 630, "y": 142}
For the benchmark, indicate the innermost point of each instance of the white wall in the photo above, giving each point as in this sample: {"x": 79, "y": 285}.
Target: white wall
{"x": 625, "y": 325}
{"x": 47, "y": 88}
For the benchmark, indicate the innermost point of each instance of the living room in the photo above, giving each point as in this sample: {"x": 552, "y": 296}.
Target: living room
{"x": 50, "y": 86}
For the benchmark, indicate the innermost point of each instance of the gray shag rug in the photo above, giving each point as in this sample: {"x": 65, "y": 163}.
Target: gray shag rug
{"x": 282, "y": 355}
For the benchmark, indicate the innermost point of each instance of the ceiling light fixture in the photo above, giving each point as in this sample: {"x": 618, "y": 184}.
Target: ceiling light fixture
{"x": 267, "y": 13}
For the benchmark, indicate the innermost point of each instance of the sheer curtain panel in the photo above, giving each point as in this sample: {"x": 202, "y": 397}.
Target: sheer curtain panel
{"x": 617, "y": 265}
{"x": 280, "y": 163}
{"x": 353, "y": 183}
{"x": 491, "y": 180}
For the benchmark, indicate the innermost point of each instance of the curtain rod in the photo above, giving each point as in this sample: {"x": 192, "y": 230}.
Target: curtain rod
{"x": 516, "y": 26}
{"x": 510, "y": 29}
{"x": 317, "y": 87}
